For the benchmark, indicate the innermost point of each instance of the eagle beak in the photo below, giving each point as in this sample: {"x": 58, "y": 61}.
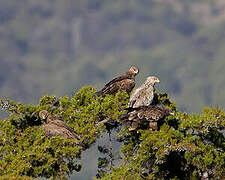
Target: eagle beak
{"x": 157, "y": 81}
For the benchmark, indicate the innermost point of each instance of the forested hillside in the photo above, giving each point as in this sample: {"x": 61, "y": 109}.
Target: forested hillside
{"x": 56, "y": 47}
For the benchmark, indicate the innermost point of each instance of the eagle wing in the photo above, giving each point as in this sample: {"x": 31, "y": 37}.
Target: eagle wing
{"x": 151, "y": 113}
{"x": 52, "y": 130}
{"x": 132, "y": 116}
{"x": 148, "y": 113}
{"x": 120, "y": 78}
{"x": 60, "y": 123}
{"x": 134, "y": 96}
{"x": 124, "y": 82}
{"x": 143, "y": 97}
{"x": 59, "y": 128}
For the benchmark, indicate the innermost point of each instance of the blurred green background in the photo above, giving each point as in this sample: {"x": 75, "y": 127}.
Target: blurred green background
{"x": 58, "y": 46}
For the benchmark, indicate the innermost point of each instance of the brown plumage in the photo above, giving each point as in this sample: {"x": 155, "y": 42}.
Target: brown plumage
{"x": 150, "y": 114}
{"x": 56, "y": 127}
{"x": 124, "y": 82}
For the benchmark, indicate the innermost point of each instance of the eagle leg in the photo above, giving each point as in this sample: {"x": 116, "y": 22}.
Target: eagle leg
{"x": 134, "y": 125}
{"x": 153, "y": 125}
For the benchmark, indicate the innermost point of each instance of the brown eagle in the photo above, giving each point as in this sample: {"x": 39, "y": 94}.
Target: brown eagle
{"x": 143, "y": 95}
{"x": 150, "y": 114}
{"x": 56, "y": 127}
{"x": 124, "y": 82}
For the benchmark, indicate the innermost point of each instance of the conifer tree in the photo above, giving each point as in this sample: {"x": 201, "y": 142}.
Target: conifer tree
{"x": 186, "y": 146}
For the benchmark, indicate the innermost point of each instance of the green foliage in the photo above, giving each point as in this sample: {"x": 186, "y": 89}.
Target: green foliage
{"x": 11, "y": 177}
{"x": 185, "y": 147}
{"x": 26, "y": 151}
{"x": 126, "y": 172}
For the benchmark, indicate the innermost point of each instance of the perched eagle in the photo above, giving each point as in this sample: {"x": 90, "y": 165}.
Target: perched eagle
{"x": 150, "y": 114}
{"x": 124, "y": 82}
{"x": 143, "y": 95}
{"x": 56, "y": 127}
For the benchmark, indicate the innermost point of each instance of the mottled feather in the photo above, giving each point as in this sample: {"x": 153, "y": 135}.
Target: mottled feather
{"x": 56, "y": 127}
{"x": 143, "y": 96}
{"x": 52, "y": 129}
{"x": 124, "y": 82}
{"x": 152, "y": 114}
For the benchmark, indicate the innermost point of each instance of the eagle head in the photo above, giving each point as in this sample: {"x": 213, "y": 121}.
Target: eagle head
{"x": 134, "y": 70}
{"x": 43, "y": 114}
{"x": 151, "y": 80}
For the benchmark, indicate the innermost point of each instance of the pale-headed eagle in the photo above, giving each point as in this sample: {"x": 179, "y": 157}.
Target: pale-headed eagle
{"x": 143, "y": 95}
{"x": 150, "y": 114}
{"x": 124, "y": 82}
{"x": 56, "y": 127}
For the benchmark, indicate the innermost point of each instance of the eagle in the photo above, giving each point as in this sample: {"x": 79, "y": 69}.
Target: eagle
{"x": 126, "y": 81}
{"x": 151, "y": 114}
{"x": 56, "y": 127}
{"x": 143, "y": 95}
